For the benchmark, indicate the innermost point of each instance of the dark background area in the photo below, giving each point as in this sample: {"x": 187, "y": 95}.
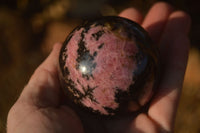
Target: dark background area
{"x": 29, "y": 28}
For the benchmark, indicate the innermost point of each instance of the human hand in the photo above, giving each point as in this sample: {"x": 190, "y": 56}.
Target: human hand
{"x": 169, "y": 30}
{"x": 40, "y": 109}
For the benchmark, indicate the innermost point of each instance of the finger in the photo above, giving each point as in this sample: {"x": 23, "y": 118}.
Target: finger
{"x": 51, "y": 63}
{"x": 143, "y": 124}
{"x": 43, "y": 87}
{"x": 156, "y": 19}
{"x": 174, "y": 54}
{"x": 132, "y": 14}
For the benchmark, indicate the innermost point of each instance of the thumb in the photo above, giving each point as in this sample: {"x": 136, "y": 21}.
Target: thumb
{"x": 43, "y": 89}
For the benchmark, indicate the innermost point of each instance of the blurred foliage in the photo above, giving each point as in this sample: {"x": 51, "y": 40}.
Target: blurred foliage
{"x": 188, "y": 115}
{"x": 29, "y": 28}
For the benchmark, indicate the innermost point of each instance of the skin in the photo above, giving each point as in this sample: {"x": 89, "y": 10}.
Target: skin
{"x": 40, "y": 107}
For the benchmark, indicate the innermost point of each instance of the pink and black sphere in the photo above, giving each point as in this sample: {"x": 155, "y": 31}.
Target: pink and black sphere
{"x": 109, "y": 66}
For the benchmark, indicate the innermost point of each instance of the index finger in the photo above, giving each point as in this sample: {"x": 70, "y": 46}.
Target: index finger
{"x": 132, "y": 14}
{"x": 156, "y": 19}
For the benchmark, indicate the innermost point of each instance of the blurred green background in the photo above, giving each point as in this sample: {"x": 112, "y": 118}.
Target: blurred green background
{"x": 29, "y": 28}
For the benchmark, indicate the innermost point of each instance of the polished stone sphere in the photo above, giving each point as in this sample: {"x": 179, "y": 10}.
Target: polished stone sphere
{"x": 109, "y": 66}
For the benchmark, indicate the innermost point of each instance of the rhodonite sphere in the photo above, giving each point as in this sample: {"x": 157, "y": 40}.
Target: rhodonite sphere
{"x": 109, "y": 66}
